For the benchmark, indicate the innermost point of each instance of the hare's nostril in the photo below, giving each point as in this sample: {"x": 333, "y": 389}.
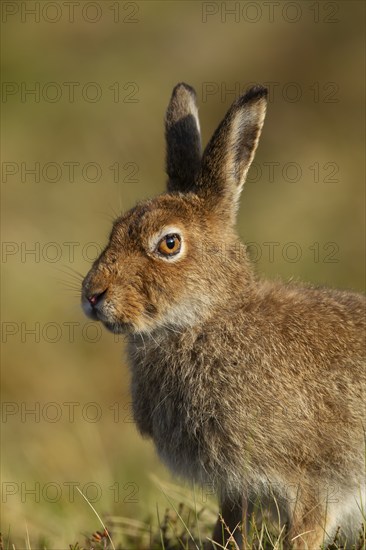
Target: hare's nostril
{"x": 93, "y": 299}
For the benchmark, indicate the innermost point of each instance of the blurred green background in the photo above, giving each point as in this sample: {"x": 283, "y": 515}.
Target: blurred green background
{"x": 102, "y": 74}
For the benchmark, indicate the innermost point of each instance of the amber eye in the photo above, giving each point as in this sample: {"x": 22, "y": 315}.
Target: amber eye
{"x": 169, "y": 245}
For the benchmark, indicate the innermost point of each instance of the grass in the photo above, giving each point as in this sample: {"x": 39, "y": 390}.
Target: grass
{"x": 180, "y": 526}
{"x": 179, "y": 529}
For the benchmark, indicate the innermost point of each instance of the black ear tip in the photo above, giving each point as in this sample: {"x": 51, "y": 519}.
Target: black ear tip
{"x": 182, "y": 88}
{"x": 255, "y": 93}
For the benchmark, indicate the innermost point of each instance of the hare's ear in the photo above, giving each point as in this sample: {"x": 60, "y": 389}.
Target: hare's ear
{"x": 183, "y": 139}
{"x": 230, "y": 152}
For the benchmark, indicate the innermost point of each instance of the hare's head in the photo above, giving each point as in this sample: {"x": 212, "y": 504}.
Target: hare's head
{"x": 170, "y": 259}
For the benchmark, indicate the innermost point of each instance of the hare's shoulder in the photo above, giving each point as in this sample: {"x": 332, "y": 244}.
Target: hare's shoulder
{"x": 314, "y": 316}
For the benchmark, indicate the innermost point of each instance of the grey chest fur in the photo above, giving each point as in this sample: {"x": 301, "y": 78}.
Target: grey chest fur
{"x": 177, "y": 401}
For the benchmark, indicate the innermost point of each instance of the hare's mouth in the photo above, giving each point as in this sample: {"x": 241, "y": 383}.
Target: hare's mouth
{"x": 113, "y": 325}
{"x": 97, "y": 312}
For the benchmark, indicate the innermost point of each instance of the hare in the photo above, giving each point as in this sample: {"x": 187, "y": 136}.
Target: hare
{"x": 253, "y": 387}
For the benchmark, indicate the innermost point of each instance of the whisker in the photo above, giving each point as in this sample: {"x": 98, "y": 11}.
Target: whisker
{"x": 77, "y": 296}
{"x": 150, "y": 318}
{"x": 115, "y": 213}
{"x": 143, "y": 341}
{"x": 152, "y": 337}
{"x": 161, "y": 402}
{"x": 171, "y": 329}
{"x": 70, "y": 289}
{"x": 71, "y": 284}
{"x": 72, "y": 272}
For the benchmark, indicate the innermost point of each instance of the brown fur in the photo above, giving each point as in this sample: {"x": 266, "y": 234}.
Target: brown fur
{"x": 257, "y": 387}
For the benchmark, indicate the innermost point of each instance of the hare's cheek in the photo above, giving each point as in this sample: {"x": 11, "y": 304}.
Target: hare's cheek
{"x": 125, "y": 305}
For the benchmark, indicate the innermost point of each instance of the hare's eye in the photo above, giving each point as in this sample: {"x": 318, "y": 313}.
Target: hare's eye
{"x": 169, "y": 245}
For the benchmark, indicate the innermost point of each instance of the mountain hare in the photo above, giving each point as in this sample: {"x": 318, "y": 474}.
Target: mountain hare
{"x": 254, "y": 387}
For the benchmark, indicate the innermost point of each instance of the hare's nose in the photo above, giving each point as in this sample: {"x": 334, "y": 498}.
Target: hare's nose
{"x": 95, "y": 298}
